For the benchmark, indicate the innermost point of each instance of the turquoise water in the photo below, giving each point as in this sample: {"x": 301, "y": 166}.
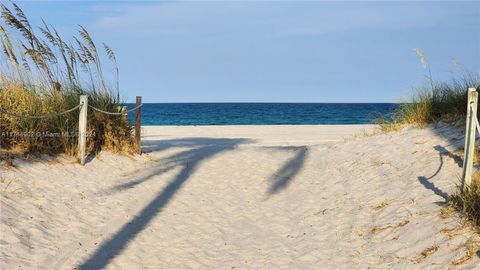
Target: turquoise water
{"x": 263, "y": 113}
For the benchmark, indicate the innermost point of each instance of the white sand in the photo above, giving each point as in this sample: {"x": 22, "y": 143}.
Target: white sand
{"x": 241, "y": 197}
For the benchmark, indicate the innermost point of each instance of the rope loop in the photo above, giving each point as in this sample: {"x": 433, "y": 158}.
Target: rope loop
{"x": 65, "y": 112}
{"x": 115, "y": 113}
{"x": 40, "y": 116}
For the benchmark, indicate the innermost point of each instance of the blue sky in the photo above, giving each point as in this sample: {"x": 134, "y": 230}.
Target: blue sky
{"x": 274, "y": 51}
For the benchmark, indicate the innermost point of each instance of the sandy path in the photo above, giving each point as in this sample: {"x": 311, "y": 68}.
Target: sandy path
{"x": 251, "y": 197}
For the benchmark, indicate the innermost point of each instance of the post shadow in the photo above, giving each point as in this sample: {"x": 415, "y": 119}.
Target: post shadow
{"x": 444, "y": 152}
{"x": 430, "y": 185}
{"x": 285, "y": 175}
{"x": 189, "y": 161}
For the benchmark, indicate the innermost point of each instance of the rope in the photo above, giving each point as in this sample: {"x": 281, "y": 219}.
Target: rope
{"x": 40, "y": 116}
{"x": 65, "y": 112}
{"x": 476, "y": 119}
{"x": 113, "y": 113}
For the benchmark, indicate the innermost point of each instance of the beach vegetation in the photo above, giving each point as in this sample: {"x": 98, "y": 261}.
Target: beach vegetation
{"x": 442, "y": 101}
{"x": 468, "y": 200}
{"x": 445, "y": 102}
{"x": 434, "y": 101}
{"x": 41, "y": 73}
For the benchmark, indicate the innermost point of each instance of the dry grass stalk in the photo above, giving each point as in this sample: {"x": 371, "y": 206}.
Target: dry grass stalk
{"x": 382, "y": 204}
{"x": 449, "y": 232}
{"x": 447, "y": 212}
{"x": 472, "y": 249}
{"x": 377, "y": 229}
{"x": 425, "y": 253}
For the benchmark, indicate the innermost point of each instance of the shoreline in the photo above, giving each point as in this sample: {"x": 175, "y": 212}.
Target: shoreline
{"x": 248, "y": 125}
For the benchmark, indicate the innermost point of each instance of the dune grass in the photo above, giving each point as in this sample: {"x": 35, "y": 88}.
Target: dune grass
{"x": 442, "y": 102}
{"x": 435, "y": 101}
{"x": 468, "y": 201}
{"x": 445, "y": 102}
{"x": 41, "y": 73}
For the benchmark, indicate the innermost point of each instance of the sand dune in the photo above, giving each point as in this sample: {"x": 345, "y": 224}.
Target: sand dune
{"x": 242, "y": 197}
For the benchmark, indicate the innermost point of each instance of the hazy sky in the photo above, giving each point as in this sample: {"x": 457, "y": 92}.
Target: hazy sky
{"x": 274, "y": 51}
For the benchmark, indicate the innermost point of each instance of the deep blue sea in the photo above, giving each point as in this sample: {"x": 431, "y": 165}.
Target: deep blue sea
{"x": 262, "y": 113}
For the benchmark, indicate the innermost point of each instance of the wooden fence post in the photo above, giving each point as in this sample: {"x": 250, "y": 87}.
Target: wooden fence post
{"x": 82, "y": 129}
{"x": 469, "y": 137}
{"x": 138, "y": 125}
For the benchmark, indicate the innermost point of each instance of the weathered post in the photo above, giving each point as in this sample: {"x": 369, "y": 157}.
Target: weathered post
{"x": 82, "y": 129}
{"x": 124, "y": 110}
{"x": 138, "y": 125}
{"x": 469, "y": 137}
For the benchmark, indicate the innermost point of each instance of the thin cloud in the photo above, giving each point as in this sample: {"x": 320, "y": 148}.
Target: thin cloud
{"x": 272, "y": 18}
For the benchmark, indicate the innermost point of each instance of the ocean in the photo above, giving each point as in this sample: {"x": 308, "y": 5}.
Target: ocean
{"x": 263, "y": 113}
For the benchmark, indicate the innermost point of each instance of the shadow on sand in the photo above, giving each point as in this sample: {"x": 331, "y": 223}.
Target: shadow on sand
{"x": 430, "y": 185}
{"x": 285, "y": 175}
{"x": 188, "y": 160}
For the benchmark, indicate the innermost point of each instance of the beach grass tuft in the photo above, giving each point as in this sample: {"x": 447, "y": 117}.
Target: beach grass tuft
{"x": 468, "y": 201}
{"x": 445, "y": 102}
{"x": 41, "y": 74}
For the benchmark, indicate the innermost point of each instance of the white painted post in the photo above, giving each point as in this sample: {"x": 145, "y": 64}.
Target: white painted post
{"x": 138, "y": 125}
{"x": 469, "y": 137}
{"x": 82, "y": 129}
